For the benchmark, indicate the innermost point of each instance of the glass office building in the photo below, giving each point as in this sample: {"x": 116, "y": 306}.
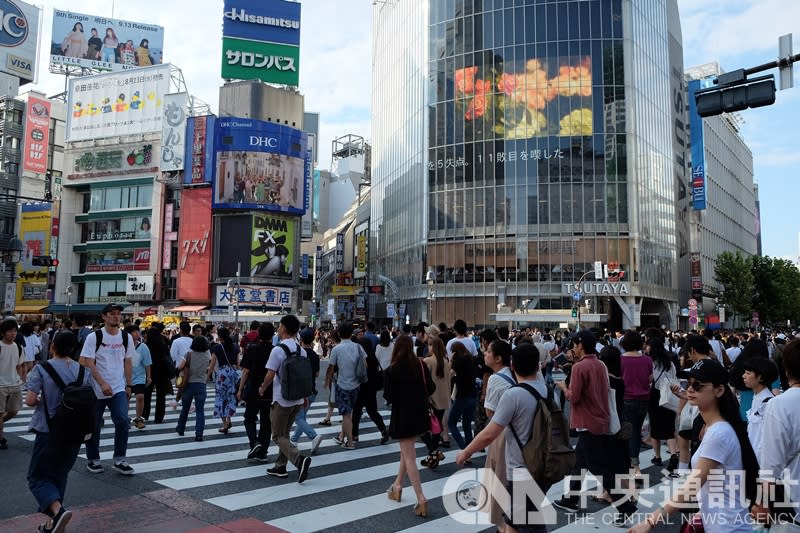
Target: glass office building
{"x": 518, "y": 142}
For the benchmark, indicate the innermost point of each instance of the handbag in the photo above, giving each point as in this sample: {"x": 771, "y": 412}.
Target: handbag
{"x": 436, "y": 426}
{"x": 614, "y": 425}
{"x": 183, "y": 377}
{"x": 693, "y": 525}
{"x": 667, "y": 399}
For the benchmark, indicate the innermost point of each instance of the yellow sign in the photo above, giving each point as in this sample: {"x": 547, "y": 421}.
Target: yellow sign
{"x": 361, "y": 253}
{"x": 345, "y": 290}
{"x": 35, "y": 229}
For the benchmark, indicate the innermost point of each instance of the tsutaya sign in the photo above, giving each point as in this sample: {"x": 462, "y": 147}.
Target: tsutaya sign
{"x": 594, "y": 288}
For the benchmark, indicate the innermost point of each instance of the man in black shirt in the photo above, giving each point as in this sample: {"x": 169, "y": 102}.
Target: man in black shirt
{"x": 254, "y": 370}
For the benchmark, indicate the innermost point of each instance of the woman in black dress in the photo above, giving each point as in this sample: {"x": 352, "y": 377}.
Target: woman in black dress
{"x": 408, "y": 386}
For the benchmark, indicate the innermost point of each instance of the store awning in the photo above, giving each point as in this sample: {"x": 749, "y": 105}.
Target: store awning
{"x": 29, "y": 309}
{"x": 143, "y": 310}
{"x": 76, "y": 308}
{"x": 187, "y": 309}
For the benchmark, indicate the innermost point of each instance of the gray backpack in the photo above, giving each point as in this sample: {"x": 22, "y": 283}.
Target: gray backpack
{"x": 297, "y": 376}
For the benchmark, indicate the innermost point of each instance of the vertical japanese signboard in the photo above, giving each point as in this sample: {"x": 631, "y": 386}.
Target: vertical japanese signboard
{"x": 339, "y": 252}
{"x": 37, "y": 136}
{"x": 173, "y": 133}
{"x": 698, "y": 150}
{"x": 194, "y": 252}
{"x": 199, "y": 157}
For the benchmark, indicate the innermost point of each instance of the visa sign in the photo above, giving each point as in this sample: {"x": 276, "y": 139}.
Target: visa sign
{"x": 13, "y": 24}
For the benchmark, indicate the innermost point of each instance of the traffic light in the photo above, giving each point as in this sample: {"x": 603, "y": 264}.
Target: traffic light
{"x": 727, "y": 99}
{"x": 263, "y": 308}
{"x": 44, "y": 260}
{"x": 574, "y": 313}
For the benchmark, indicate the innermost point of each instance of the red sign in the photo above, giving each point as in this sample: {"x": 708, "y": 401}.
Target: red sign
{"x": 198, "y": 150}
{"x": 194, "y": 246}
{"x": 37, "y": 136}
{"x": 118, "y": 267}
{"x": 55, "y": 228}
{"x": 141, "y": 256}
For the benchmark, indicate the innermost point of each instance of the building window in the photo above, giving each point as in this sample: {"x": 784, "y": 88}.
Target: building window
{"x": 132, "y": 197}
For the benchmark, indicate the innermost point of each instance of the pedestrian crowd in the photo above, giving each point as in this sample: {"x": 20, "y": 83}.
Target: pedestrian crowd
{"x": 705, "y": 403}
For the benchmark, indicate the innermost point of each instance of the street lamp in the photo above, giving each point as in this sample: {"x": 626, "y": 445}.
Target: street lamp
{"x": 68, "y": 292}
{"x": 579, "y": 295}
{"x": 11, "y": 256}
{"x": 430, "y": 279}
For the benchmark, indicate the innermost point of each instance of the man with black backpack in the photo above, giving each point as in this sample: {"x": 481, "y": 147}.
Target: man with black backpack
{"x": 61, "y": 390}
{"x": 290, "y": 393}
{"x": 108, "y": 353}
{"x": 516, "y": 412}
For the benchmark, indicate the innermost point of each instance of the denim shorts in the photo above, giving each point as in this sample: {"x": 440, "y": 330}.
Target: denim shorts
{"x": 346, "y": 400}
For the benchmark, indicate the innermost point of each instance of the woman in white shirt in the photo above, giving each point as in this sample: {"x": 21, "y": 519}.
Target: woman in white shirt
{"x": 383, "y": 351}
{"x": 759, "y": 374}
{"x": 723, "y": 456}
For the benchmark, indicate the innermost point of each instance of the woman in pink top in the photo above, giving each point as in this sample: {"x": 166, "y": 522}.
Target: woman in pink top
{"x": 637, "y": 373}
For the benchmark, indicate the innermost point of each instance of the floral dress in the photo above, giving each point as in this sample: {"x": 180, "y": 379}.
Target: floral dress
{"x": 225, "y": 386}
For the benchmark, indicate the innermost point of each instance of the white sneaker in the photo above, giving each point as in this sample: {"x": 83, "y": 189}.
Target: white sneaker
{"x": 315, "y": 442}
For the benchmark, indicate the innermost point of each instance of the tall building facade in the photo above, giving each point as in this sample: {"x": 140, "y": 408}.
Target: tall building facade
{"x": 516, "y": 144}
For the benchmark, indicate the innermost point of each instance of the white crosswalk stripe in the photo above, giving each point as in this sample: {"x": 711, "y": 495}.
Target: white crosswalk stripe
{"x": 345, "y": 488}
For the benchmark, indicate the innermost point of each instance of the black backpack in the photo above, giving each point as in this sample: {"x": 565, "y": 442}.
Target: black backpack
{"x": 297, "y": 377}
{"x": 99, "y": 334}
{"x": 74, "y": 421}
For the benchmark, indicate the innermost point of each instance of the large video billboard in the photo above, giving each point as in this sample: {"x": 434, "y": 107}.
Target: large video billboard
{"x": 272, "y": 247}
{"x": 37, "y": 136}
{"x": 261, "y": 40}
{"x": 194, "y": 245}
{"x": 119, "y": 103}
{"x": 35, "y": 230}
{"x": 103, "y": 43}
{"x": 260, "y": 165}
{"x": 19, "y": 39}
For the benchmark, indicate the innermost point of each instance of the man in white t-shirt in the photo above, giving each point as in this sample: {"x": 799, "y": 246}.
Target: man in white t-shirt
{"x": 12, "y": 374}
{"x": 284, "y": 411}
{"x": 108, "y": 354}
{"x": 781, "y": 451}
{"x": 181, "y": 345}
{"x": 460, "y": 327}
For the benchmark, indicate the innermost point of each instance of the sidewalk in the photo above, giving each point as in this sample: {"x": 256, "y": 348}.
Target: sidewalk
{"x": 160, "y": 511}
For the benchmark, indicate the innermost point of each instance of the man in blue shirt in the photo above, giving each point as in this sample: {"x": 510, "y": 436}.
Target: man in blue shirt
{"x": 142, "y": 361}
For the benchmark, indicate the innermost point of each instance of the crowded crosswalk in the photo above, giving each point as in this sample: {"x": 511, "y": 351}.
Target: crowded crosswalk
{"x": 345, "y": 489}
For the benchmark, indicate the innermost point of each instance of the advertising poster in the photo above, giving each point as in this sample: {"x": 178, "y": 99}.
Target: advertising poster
{"x": 256, "y": 60}
{"x": 194, "y": 247}
{"x": 272, "y": 251}
{"x": 102, "y": 43}
{"x": 123, "y": 260}
{"x": 35, "y": 229}
{"x": 254, "y": 296}
{"x": 19, "y": 39}
{"x": 116, "y": 160}
{"x": 698, "y": 150}
{"x": 260, "y": 165}
{"x": 199, "y": 158}
{"x": 37, "y": 136}
{"x": 360, "y": 251}
{"x": 114, "y": 104}
{"x": 173, "y": 133}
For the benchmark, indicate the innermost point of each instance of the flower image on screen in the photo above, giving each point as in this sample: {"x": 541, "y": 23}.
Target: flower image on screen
{"x": 537, "y": 97}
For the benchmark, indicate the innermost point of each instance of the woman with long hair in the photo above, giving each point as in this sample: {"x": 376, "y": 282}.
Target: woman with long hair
{"x": 724, "y": 453}
{"x": 110, "y": 44}
{"x": 226, "y": 356}
{"x": 662, "y": 419}
{"x": 465, "y": 397}
{"x": 383, "y": 351}
{"x": 408, "y": 386}
{"x": 439, "y": 367}
{"x": 75, "y": 43}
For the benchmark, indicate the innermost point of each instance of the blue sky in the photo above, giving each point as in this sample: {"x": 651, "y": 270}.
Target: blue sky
{"x": 335, "y": 70}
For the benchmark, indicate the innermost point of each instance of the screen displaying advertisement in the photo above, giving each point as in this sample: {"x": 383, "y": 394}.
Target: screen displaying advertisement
{"x": 199, "y": 157}
{"x": 194, "y": 248}
{"x": 272, "y": 248}
{"x": 35, "y": 230}
{"x": 532, "y": 98}
{"x": 115, "y": 104}
{"x": 255, "y": 60}
{"x": 118, "y": 260}
{"x": 19, "y": 39}
{"x": 102, "y": 43}
{"x": 698, "y": 149}
{"x": 37, "y": 136}
{"x": 276, "y": 21}
{"x": 260, "y": 165}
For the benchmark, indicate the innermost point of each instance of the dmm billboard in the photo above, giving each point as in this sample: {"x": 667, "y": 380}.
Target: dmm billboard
{"x": 194, "y": 249}
{"x": 37, "y": 136}
{"x": 35, "y": 230}
{"x": 114, "y": 104}
{"x": 261, "y": 40}
{"x": 272, "y": 247}
{"x": 19, "y": 39}
{"x": 103, "y": 43}
{"x": 260, "y": 165}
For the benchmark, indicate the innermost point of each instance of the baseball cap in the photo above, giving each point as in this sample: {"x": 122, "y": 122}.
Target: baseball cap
{"x": 585, "y": 337}
{"x": 110, "y": 307}
{"x": 432, "y": 331}
{"x": 706, "y": 371}
{"x": 307, "y": 335}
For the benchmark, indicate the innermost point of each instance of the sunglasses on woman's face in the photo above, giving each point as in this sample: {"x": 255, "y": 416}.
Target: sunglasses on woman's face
{"x": 696, "y": 386}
